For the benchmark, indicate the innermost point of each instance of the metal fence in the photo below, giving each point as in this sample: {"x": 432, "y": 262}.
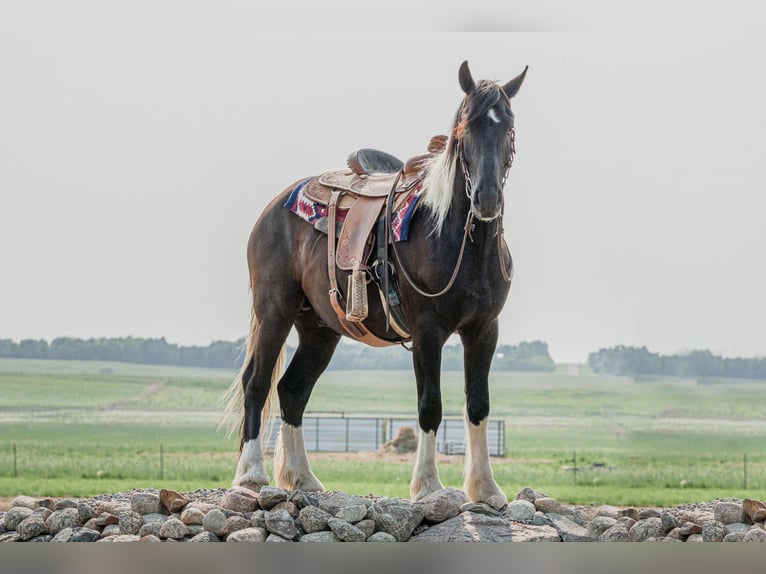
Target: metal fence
{"x": 353, "y": 434}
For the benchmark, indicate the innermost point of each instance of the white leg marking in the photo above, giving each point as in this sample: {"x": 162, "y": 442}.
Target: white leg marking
{"x": 491, "y": 114}
{"x": 250, "y": 468}
{"x": 291, "y": 464}
{"x": 480, "y": 485}
{"x": 425, "y": 477}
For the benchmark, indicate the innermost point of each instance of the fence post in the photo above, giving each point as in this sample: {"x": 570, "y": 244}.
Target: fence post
{"x": 15, "y": 469}
{"x": 162, "y": 463}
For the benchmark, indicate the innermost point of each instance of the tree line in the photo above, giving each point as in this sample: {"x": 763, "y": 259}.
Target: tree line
{"x": 631, "y": 361}
{"x": 526, "y": 356}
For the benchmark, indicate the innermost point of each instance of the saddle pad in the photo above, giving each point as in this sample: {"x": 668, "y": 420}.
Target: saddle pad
{"x": 316, "y": 214}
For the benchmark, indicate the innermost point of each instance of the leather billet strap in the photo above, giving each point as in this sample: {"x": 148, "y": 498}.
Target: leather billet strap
{"x": 354, "y": 330}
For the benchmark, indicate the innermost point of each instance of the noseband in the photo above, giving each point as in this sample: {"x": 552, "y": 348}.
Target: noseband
{"x": 467, "y": 173}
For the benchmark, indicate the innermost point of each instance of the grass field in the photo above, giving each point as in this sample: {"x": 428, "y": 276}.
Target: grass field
{"x": 83, "y": 428}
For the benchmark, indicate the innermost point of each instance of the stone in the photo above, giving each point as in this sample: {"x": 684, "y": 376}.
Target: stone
{"x": 215, "y": 522}
{"x": 172, "y": 501}
{"x": 194, "y": 529}
{"x": 145, "y": 502}
{"x": 728, "y": 512}
{"x": 112, "y": 507}
{"x": 258, "y": 519}
{"x": 608, "y": 510}
{"x": 630, "y": 513}
{"x": 690, "y": 528}
{"x": 235, "y": 523}
{"x": 313, "y": 519}
{"x": 11, "y": 536}
{"x": 521, "y": 510}
{"x": 149, "y": 538}
{"x": 532, "y": 533}
{"x": 442, "y": 504}
{"x": 669, "y": 521}
{"x": 397, "y": 517}
{"x": 381, "y": 537}
{"x": 736, "y": 527}
{"x": 646, "y": 528}
{"x": 150, "y": 529}
{"x": 130, "y": 522}
{"x": 675, "y": 533}
{"x": 754, "y": 509}
{"x": 15, "y": 515}
{"x": 252, "y": 534}
{"x": 323, "y": 536}
{"x": 530, "y": 494}
{"x": 291, "y": 508}
{"x": 539, "y": 519}
{"x": 367, "y": 526}
{"x": 121, "y": 538}
{"x": 599, "y": 525}
{"x": 337, "y": 500}
{"x": 66, "y": 517}
{"x": 43, "y": 512}
{"x": 275, "y": 538}
{"x": 303, "y": 499}
{"x": 737, "y": 536}
{"x": 281, "y": 523}
{"x": 156, "y": 517}
{"x": 86, "y": 512}
{"x": 240, "y": 499}
{"x": 479, "y": 508}
{"x": 105, "y": 518}
{"x": 173, "y": 528}
{"x": 568, "y": 530}
{"x": 84, "y": 535}
{"x": 616, "y": 533}
{"x": 91, "y": 525}
{"x": 23, "y": 502}
{"x": 547, "y": 504}
{"x": 205, "y": 537}
{"x": 713, "y": 531}
{"x": 465, "y": 527}
{"x": 695, "y": 538}
{"x": 110, "y": 530}
{"x": 352, "y": 513}
{"x": 345, "y": 531}
{"x": 626, "y": 521}
{"x": 270, "y": 496}
{"x": 755, "y": 535}
{"x": 648, "y": 513}
{"x": 192, "y": 516}
{"x": 31, "y": 526}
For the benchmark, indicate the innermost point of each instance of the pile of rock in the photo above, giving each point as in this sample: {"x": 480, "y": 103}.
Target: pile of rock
{"x": 276, "y": 515}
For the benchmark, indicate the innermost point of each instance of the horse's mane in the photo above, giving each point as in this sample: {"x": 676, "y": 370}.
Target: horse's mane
{"x": 439, "y": 179}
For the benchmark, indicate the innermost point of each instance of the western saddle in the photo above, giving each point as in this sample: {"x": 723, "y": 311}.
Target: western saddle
{"x": 364, "y": 190}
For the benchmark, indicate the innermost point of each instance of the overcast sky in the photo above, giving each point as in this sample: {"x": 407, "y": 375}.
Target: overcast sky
{"x": 138, "y": 145}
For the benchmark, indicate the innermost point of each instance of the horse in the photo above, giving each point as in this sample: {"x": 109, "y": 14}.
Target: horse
{"x": 455, "y": 261}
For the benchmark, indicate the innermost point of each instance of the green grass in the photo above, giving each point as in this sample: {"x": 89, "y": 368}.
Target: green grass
{"x": 656, "y": 441}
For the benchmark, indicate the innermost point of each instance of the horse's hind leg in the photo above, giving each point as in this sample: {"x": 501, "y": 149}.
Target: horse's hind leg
{"x": 479, "y": 348}
{"x": 316, "y": 345}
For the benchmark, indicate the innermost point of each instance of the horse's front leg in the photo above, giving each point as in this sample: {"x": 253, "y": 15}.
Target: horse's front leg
{"x": 479, "y": 345}
{"x": 426, "y": 357}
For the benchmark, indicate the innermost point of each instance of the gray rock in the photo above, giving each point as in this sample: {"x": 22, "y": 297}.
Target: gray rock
{"x": 258, "y": 519}
{"x": 521, "y": 510}
{"x": 234, "y": 523}
{"x": 173, "y": 528}
{"x": 41, "y": 538}
{"x": 11, "y": 536}
{"x": 313, "y": 519}
{"x": 291, "y": 508}
{"x": 580, "y": 517}
{"x": 63, "y": 503}
{"x": 130, "y": 522}
{"x": 531, "y": 533}
{"x": 192, "y": 516}
{"x": 695, "y": 538}
{"x": 539, "y": 519}
{"x": 270, "y": 496}
{"x": 381, "y": 537}
{"x": 86, "y": 512}
{"x": 736, "y": 527}
{"x": 156, "y": 517}
{"x": 281, "y": 523}
{"x": 323, "y": 536}
{"x": 215, "y": 522}
{"x": 626, "y": 521}
{"x": 48, "y": 503}
{"x": 630, "y": 513}
{"x": 755, "y": 535}
{"x": 568, "y": 530}
{"x": 337, "y": 500}
{"x": 205, "y": 537}
{"x": 64, "y": 535}
{"x": 84, "y": 535}
{"x": 23, "y": 502}
{"x": 42, "y": 512}
{"x": 616, "y": 533}
{"x": 648, "y": 513}
{"x": 14, "y": 516}
{"x": 145, "y": 503}
{"x": 194, "y": 529}
{"x": 150, "y": 529}
{"x": 442, "y": 504}
{"x": 64, "y": 518}
{"x": 30, "y": 527}
{"x": 547, "y": 504}
{"x": 149, "y": 538}
{"x": 275, "y": 538}
{"x": 110, "y": 530}
{"x": 367, "y": 526}
{"x": 345, "y": 531}
{"x": 669, "y": 521}
{"x": 599, "y": 525}
{"x": 352, "y": 513}
{"x": 466, "y": 527}
{"x": 240, "y": 499}
{"x": 479, "y": 508}
{"x": 397, "y": 517}
{"x": 728, "y": 512}
{"x": 713, "y": 531}
{"x": 122, "y": 538}
{"x": 530, "y": 494}
{"x": 303, "y": 499}
{"x": 646, "y": 528}
{"x": 738, "y": 536}
{"x": 608, "y": 510}
{"x": 251, "y": 534}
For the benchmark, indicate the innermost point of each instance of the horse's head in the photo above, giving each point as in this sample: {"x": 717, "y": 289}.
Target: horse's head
{"x": 484, "y": 138}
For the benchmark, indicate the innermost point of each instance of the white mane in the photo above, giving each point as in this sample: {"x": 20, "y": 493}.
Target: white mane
{"x": 438, "y": 184}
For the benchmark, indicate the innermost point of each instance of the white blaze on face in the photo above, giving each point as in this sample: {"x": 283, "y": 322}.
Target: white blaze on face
{"x": 491, "y": 114}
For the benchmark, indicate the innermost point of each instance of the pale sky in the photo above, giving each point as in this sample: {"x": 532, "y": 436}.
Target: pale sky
{"x": 138, "y": 145}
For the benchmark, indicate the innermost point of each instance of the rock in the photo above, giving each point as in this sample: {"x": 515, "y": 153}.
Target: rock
{"x": 64, "y": 518}
{"x": 532, "y": 533}
{"x": 754, "y": 509}
{"x": 675, "y": 533}
{"x": 240, "y": 499}
{"x": 194, "y": 529}
{"x": 646, "y": 528}
{"x": 235, "y": 523}
{"x": 84, "y": 535}
{"x": 479, "y": 508}
{"x": 442, "y": 504}
{"x": 112, "y": 507}
{"x": 313, "y": 519}
{"x": 11, "y": 536}
{"x": 521, "y": 510}
{"x": 258, "y": 519}
{"x": 367, "y": 526}
{"x": 380, "y": 537}
{"x": 63, "y": 503}
{"x": 755, "y": 535}
{"x": 669, "y": 521}
{"x": 738, "y": 536}
{"x": 728, "y": 512}
{"x": 608, "y": 510}
{"x": 105, "y": 518}
{"x": 547, "y": 504}
{"x": 30, "y": 527}
{"x": 397, "y": 517}
{"x": 48, "y": 503}
{"x": 173, "y": 528}
{"x": 713, "y": 531}
{"x": 130, "y": 522}
{"x": 539, "y": 519}
{"x": 281, "y": 523}
{"x": 466, "y": 527}
{"x": 323, "y": 536}
{"x": 207, "y": 537}
{"x": 215, "y": 522}
{"x": 695, "y": 538}
{"x": 149, "y": 538}
{"x": 291, "y": 508}
{"x": 352, "y": 513}
{"x": 150, "y": 529}
{"x": 172, "y": 501}
{"x": 121, "y": 538}
{"x": 15, "y": 515}
{"x": 145, "y": 503}
{"x": 42, "y": 512}
{"x": 736, "y": 527}
{"x": 599, "y": 525}
{"x": 530, "y": 494}
{"x": 616, "y": 533}
{"x": 303, "y": 499}
{"x": 270, "y": 496}
{"x": 690, "y": 528}
{"x": 91, "y": 525}
{"x": 86, "y": 512}
{"x": 110, "y": 530}
{"x": 251, "y": 534}
{"x": 568, "y": 530}
{"x": 192, "y": 516}
{"x": 337, "y": 500}
{"x": 156, "y": 517}
{"x": 23, "y": 502}
{"x": 345, "y": 531}
{"x": 648, "y": 513}
{"x": 630, "y": 513}
{"x": 626, "y": 521}
{"x": 275, "y": 538}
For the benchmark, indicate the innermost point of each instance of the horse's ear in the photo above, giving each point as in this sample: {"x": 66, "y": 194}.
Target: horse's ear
{"x": 513, "y": 86}
{"x": 466, "y": 80}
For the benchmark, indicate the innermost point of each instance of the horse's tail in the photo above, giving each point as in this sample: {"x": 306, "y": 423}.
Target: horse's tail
{"x": 234, "y": 411}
